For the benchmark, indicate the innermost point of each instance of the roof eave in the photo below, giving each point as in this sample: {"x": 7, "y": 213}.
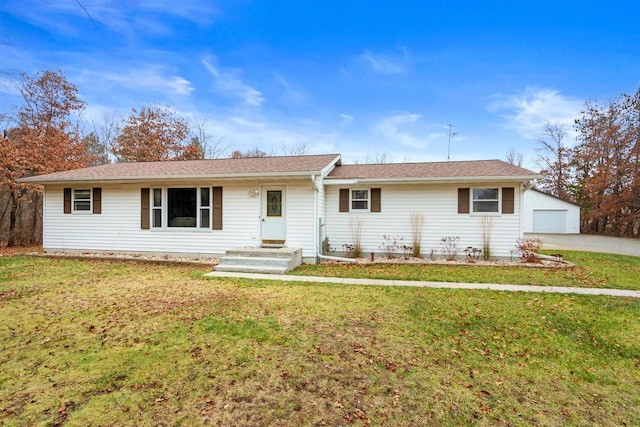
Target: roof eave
{"x": 331, "y": 166}
{"x": 430, "y": 180}
{"x": 175, "y": 178}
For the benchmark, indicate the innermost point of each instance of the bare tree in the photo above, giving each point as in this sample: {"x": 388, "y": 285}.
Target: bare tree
{"x": 253, "y": 152}
{"x": 514, "y": 157}
{"x": 213, "y": 148}
{"x": 299, "y": 149}
{"x": 555, "y": 159}
{"x": 108, "y": 128}
{"x": 375, "y": 159}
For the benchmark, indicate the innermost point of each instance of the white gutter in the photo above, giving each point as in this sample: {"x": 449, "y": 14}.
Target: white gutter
{"x": 329, "y": 181}
{"x": 173, "y": 178}
{"x": 422, "y": 180}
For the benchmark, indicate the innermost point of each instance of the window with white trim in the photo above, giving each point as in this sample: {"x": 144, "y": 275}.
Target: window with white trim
{"x": 82, "y": 200}
{"x": 188, "y": 207}
{"x": 360, "y": 200}
{"x": 156, "y": 208}
{"x": 205, "y": 207}
{"x": 485, "y": 200}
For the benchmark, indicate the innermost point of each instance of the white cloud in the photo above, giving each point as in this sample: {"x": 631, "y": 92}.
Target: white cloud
{"x": 241, "y": 131}
{"x": 386, "y": 64}
{"x": 8, "y": 86}
{"x": 228, "y": 81}
{"x": 291, "y": 95}
{"x": 529, "y": 111}
{"x": 346, "y": 120}
{"x": 147, "y": 77}
{"x": 404, "y": 128}
{"x": 198, "y": 11}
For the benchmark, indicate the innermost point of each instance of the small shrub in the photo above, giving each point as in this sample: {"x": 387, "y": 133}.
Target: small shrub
{"x": 350, "y": 251}
{"x": 450, "y": 247}
{"x": 472, "y": 254}
{"x": 529, "y": 250}
{"x": 433, "y": 254}
{"x": 392, "y": 245}
{"x": 407, "y": 251}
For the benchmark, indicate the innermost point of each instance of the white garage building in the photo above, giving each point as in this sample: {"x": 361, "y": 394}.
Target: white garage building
{"x": 544, "y": 213}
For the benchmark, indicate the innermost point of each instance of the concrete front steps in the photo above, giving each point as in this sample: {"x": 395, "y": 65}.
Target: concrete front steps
{"x": 260, "y": 260}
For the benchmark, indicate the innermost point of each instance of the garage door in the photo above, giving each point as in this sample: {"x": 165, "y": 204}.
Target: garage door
{"x": 550, "y": 221}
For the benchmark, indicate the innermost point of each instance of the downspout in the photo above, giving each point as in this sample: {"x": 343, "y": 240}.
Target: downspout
{"x": 525, "y": 186}
{"x": 336, "y": 258}
{"x": 44, "y": 218}
{"x": 315, "y": 211}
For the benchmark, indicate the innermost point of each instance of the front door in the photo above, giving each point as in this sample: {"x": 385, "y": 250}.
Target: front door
{"x": 274, "y": 226}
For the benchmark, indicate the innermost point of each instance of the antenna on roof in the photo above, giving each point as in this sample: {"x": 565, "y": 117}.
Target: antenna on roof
{"x": 449, "y": 145}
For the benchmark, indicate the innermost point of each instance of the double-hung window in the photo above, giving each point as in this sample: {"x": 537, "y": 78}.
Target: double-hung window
{"x": 360, "y": 200}
{"x": 485, "y": 200}
{"x": 82, "y": 200}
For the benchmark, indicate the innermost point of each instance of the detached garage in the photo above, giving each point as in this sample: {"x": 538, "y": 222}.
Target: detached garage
{"x": 544, "y": 213}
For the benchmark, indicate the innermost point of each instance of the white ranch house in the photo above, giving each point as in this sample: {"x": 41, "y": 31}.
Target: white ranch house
{"x": 206, "y": 207}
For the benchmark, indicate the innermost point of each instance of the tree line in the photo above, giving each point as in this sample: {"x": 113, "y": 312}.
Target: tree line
{"x": 600, "y": 171}
{"x": 45, "y": 133}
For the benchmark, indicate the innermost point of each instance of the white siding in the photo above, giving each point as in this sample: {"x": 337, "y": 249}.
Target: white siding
{"x": 300, "y": 217}
{"x": 118, "y": 227}
{"x": 438, "y": 204}
{"x": 567, "y": 213}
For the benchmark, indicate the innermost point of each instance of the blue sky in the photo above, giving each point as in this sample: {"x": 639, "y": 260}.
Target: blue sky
{"x": 361, "y": 78}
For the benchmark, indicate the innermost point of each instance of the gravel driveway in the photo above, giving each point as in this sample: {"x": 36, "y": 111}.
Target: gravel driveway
{"x": 587, "y": 242}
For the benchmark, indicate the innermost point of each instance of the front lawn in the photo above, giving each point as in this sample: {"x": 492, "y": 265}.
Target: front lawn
{"x": 124, "y": 343}
{"x": 593, "y": 270}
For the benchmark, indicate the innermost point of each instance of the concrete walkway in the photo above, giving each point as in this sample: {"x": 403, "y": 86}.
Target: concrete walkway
{"x": 439, "y": 285}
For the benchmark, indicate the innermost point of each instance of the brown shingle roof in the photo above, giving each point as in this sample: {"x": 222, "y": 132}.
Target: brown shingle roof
{"x": 256, "y": 166}
{"x": 432, "y": 170}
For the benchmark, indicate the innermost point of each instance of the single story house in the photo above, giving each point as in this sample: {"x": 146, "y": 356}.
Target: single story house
{"x": 545, "y": 213}
{"x": 206, "y": 207}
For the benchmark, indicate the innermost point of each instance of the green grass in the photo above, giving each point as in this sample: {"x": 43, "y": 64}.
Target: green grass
{"x": 593, "y": 270}
{"x": 124, "y": 343}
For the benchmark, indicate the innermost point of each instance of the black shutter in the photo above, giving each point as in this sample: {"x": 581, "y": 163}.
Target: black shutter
{"x": 344, "y": 200}
{"x": 144, "y": 208}
{"x": 67, "y": 200}
{"x": 508, "y": 200}
{"x": 97, "y": 200}
{"x": 463, "y": 200}
{"x": 217, "y": 208}
{"x": 376, "y": 200}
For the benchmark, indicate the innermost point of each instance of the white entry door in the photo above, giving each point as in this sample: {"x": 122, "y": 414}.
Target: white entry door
{"x": 274, "y": 219}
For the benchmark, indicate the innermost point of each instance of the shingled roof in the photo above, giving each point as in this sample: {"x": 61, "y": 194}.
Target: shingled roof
{"x": 479, "y": 169}
{"x": 284, "y": 166}
{"x": 187, "y": 169}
